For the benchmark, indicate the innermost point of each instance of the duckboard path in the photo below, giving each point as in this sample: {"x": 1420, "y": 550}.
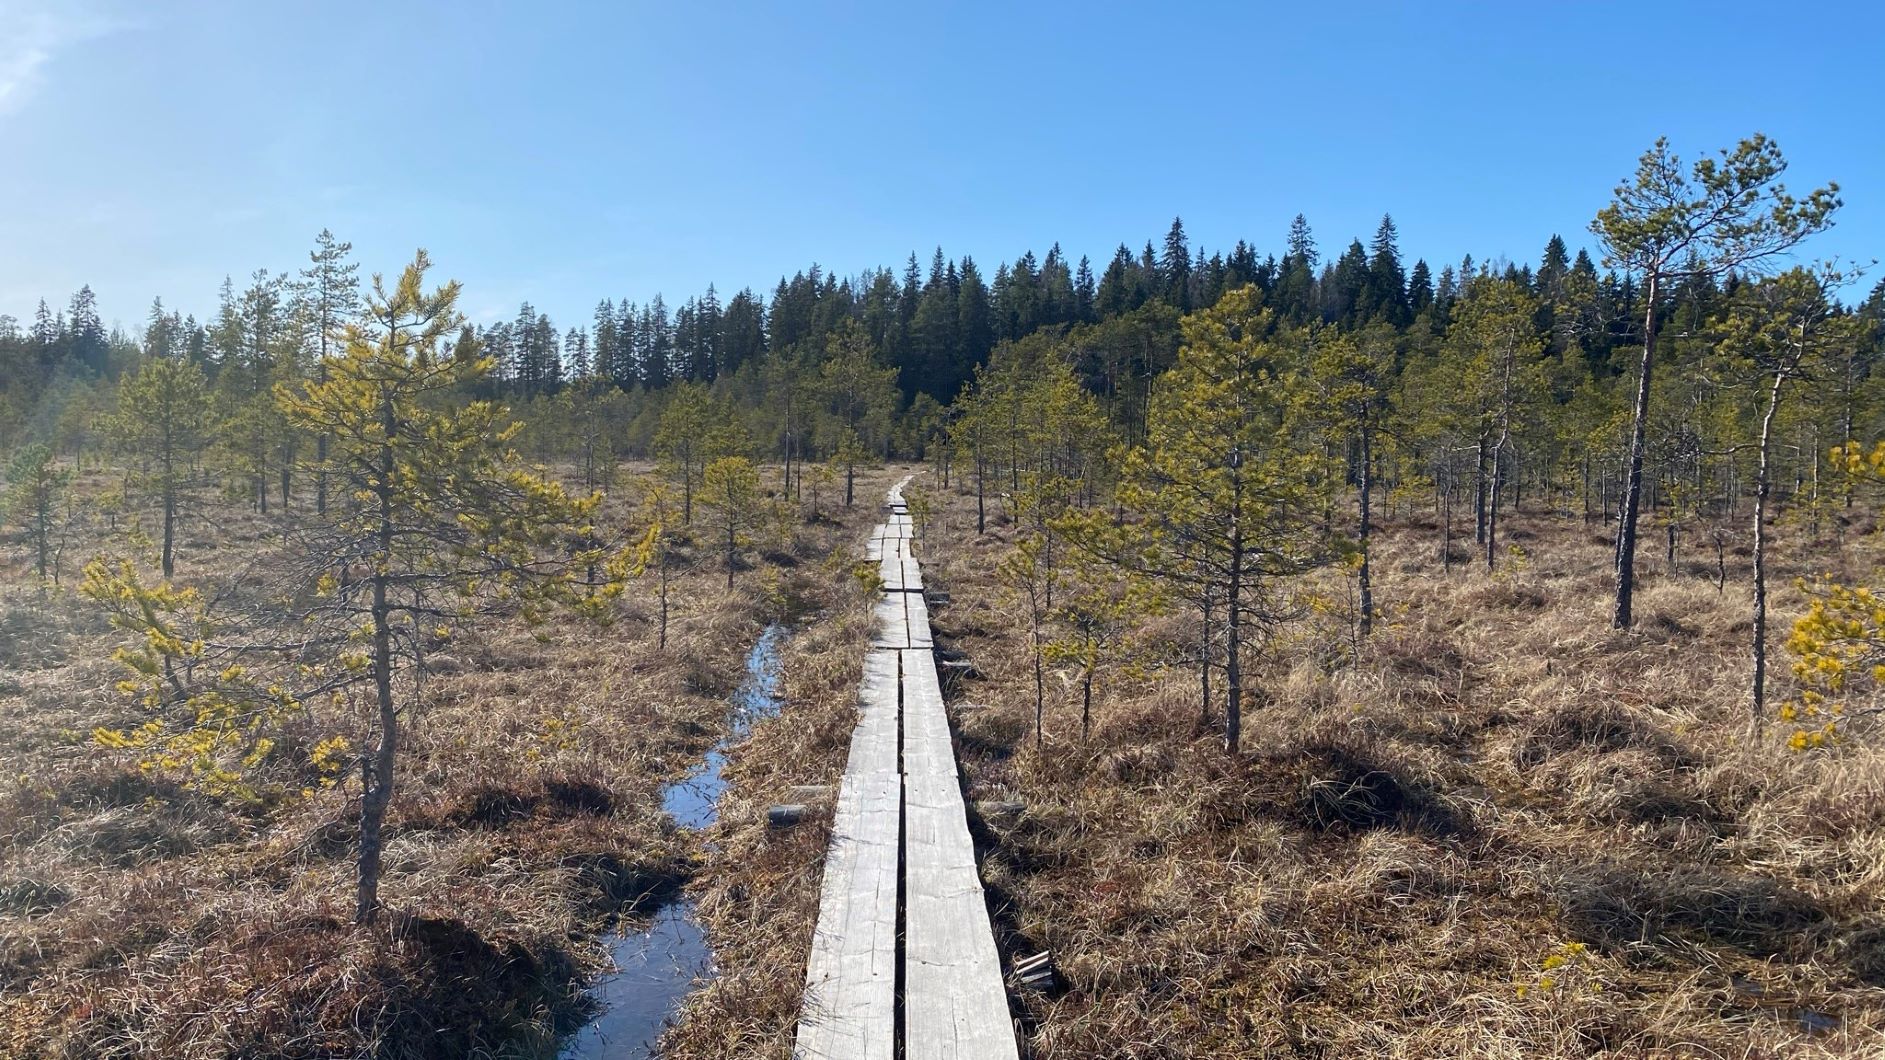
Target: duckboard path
{"x": 903, "y": 960}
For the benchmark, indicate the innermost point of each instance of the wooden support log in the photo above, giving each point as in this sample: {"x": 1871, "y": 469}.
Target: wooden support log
{"x": 1035, "y": 972}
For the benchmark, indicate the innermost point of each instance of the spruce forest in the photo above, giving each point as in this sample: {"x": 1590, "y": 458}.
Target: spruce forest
{"x": 1341, "y": 654}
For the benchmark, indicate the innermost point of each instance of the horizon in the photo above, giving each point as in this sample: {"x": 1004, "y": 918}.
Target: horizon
{"x": 840, "y": 148}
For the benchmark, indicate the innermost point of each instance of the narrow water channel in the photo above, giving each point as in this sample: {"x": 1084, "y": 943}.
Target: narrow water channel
{"x": 657, "y": 966}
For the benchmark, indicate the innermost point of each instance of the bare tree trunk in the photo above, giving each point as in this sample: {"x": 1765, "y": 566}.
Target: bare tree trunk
{"x": 320, "y": 440}
{"x": 1047, "y": 557}
{"x": 1479, "y": 491}
{"x": 1759, "y": 634}
{"x": 733, "y": 546}
{"x": 661, "y": 643}
{"x": 1367, "y": 484}
{"x": 377, "y": 780}
{"x": 1446, "y": 525}
{"x": 1233, "y": 608}
{"x": 1014, "y": 448}
{"x": 1814, "y": 506}
{"x": 1633, "y": 465}
{"x": 1040, "y": 674}
{"x": 1492, "y": 508}
{"x": 1204, "y": 659}
{"x": 981, "y": 506}
{"x": 42, "y": 536}
{"x": 170, "y": 507}
{"x": 376, "y": 787}
{"x": 1846, "y": 426}
{"x": 1086, "y": 703}
{"x": 1586, "y": 476}
{"x": 287, "y": 474}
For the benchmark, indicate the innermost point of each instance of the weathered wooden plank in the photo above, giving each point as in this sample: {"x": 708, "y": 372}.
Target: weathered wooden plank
{"x": 900, "y": 574}
{"x": 849, "y": 1009}
{"x": 890, "y": 625}
{"x": 955, "y": 1006}
{"x": 850, "y": 978}
{"x": 909, "y": 573}
{"x": 926, "y": 744}
{"x": 874, "y": 741}
{"x": 916, "y": 621}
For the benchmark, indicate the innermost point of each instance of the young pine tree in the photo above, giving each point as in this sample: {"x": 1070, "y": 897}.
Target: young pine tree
{"x": 441, "y": 511}
{"x": 1227, "y": 491}
{"x": 164, "y": 419}
{"x": 1354, "y": 372}
{"x": 437, "y": 523}
{"x": 1104, "y": 603}
{"x": 657, "y": 550}
{"x": 730, "y": 488}
{"x": 1493, "y": 347}
{"x": 1667, "y": 226}
{"x": 1778, "y": 331}
{"x": 329, "y": 294}
{"x": 1024, "y": 575}
{"x": 859, "y": 396}
{"x": 35, "y": 485}
{"x": 682, "y": 439}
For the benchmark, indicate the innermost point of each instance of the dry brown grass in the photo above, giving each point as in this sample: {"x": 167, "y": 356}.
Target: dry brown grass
{"x": 1412, "y": 832}
{"x": 140, "y": 919}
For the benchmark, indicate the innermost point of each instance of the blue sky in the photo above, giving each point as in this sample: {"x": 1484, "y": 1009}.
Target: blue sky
{"x": 564, "y": 152}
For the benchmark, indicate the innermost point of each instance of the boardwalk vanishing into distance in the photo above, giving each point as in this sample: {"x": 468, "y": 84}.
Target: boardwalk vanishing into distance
{"x": 903, "y": 961}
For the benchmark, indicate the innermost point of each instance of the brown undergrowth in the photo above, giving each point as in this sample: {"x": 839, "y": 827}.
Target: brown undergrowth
{"x": 1499, "y": 829}
{"x": 141, "y": 919}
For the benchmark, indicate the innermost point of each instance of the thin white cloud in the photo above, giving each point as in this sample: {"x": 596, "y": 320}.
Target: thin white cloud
{"x": 32, "y": 33}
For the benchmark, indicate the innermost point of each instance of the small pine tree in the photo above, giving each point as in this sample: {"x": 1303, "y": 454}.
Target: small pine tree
{"x": 1227, "y": 493}
{"x": 164, "y": 416}
{"x": 35, "y": 485}
{"x": 441, "y": 524}
{"x": 730, "y": 488}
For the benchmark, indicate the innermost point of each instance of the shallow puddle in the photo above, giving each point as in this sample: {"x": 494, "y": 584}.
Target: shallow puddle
{"x": 658, "y": 965}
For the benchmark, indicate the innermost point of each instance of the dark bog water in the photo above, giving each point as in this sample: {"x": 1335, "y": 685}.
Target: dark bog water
{"x": 656, "y": 966}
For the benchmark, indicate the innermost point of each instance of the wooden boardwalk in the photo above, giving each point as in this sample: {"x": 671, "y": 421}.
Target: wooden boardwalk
{"x": 903, "y": 962}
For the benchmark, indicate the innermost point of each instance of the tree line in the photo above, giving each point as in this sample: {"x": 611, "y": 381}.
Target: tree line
{"x": 933, "y": 325}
